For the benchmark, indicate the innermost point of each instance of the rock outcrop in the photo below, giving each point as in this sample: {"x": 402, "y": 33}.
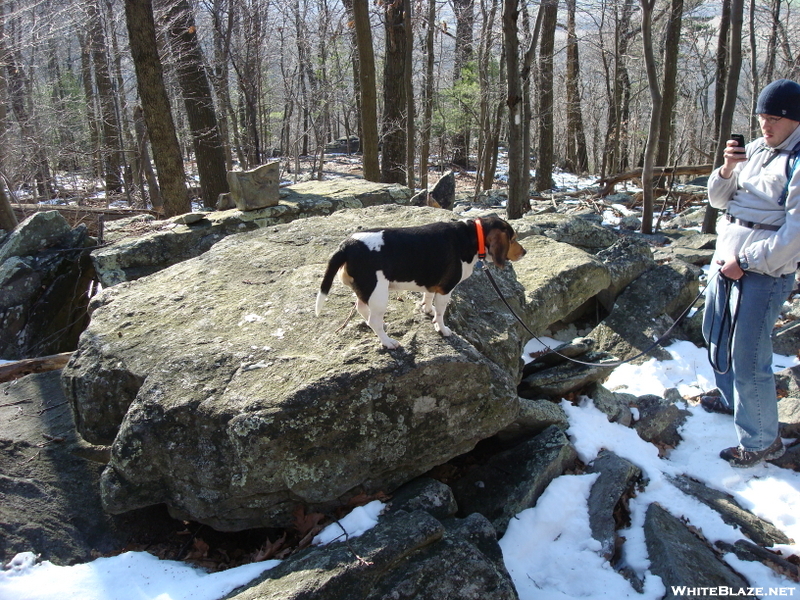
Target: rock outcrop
{"x": 45, "y": 276}
{"x": 175, "y": 240}
{"x": 228, "y": 400}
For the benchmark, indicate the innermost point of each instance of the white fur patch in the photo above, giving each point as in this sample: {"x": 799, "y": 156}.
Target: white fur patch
{"x": 373, "y": 239}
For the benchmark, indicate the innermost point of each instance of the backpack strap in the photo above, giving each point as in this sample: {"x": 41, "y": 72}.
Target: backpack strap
{"x": 791, "y": 167}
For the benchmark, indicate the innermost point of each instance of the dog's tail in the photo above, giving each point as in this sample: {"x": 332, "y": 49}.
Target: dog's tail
{"x": 336, "y": 262}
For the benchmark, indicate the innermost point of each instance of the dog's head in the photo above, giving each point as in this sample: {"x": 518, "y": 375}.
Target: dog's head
{"x": 501, "y": 241}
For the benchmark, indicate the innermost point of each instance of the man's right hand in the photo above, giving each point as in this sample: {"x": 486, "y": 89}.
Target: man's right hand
{"x": 733, "y": 155}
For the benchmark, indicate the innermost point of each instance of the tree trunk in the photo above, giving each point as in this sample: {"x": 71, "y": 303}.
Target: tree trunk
{"x": 110, "y": 153}
{"x": 615, "y": 157}
{"x": 146, "y": 172}
{"x": 156, "y": 107}
{"x": 367, "y": 87}
{"x": 427, "y": 100}
{"x": 409, "y": 89}
{"x": 655, "y": 116}
{"x": 393, "y": 159}
{"x": 487, "y": 106}
{"x": 465, "y": 23}
{"x": 671, "y": 53}
{"x": 577, "y": 156}
{"x": 545, "y": 156}
{"x": 190, "y": 69}
{"x": 518, "y": 192}
{"x": 729, "y": 104}
{"x": 8, "y": 220}
{"x": 723, "y": 51}
{"x": 91, "y": 113}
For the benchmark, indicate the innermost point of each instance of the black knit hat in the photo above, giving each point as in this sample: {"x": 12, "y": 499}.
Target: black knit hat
{"x": 780, "y": 98}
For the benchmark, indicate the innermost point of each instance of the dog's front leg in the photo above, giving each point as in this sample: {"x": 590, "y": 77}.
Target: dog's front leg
{"x": 440, "y": 303}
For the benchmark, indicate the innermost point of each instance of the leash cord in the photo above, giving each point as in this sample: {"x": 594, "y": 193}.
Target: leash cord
{"x": 485, "y": 268}
{"x": 729, "y": 319}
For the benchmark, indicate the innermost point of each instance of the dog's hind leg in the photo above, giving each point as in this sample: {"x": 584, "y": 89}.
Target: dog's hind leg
{"x": 440, "y": 303}
{"x": 426, "y": 304}
{"x": 378, "y": 302}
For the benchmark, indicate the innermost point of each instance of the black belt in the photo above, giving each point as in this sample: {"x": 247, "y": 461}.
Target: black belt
{"x": 751, "y": 225}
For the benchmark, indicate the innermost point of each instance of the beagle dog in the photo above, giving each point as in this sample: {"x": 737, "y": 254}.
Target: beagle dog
{"x": 432, "y": 259}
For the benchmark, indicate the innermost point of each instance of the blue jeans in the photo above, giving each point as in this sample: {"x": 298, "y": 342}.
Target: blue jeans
{"x": 748, "y": 385}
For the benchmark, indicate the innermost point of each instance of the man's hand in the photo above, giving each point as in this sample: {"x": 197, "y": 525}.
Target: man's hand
{"x": 730, "y": 268}
{"x": 733, "y": 155}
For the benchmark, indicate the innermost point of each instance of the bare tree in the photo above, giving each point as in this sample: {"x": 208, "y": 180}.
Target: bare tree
{"x": 518, "y": 191}
{"x": 393, "y": 157}
{"x": 156, "y": 106}
{"x": 367, "y": 89}
{"x": 669, "y": 87}
{"x": 655, "y": 115}
{"x": 577, "y": 157}
{"x": 545, "y": 155}
{"x": 731, "y": 97}
{"x": 196, "y": 90}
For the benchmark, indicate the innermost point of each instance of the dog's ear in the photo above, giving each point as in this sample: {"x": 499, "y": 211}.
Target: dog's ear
{"x": 497, "y": 244}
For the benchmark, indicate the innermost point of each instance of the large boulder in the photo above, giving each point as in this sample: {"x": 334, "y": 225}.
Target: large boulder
{"x": 558, "y": 279}
{"x": 175, "y": 240}
{"x": 645, "y": 311}
{"x": 228, "y": 400}
{"x": 45, "y": 275}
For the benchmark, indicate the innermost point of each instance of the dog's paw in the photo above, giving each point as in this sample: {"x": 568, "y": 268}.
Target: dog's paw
{"x": 443, "y": 329}
{"x": 391, "y": 344}
{"x": 426, "y": 309}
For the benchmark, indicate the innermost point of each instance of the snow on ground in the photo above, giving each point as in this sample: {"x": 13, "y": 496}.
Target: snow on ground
{"x": 547, "y": 549}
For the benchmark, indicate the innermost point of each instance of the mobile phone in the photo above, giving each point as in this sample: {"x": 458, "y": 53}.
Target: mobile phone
{"x": 738, "y": 138}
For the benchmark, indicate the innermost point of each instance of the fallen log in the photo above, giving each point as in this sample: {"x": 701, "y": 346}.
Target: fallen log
{"x": 678, "y": 171}
{"x": 19, "y": 368}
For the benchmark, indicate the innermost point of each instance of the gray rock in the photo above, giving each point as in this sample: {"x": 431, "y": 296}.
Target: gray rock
{"x": 786, "y": 339}
{"x": 625, "y": 260}
{"x": 546, "y": 359}
{"x": 789, "y": 417}
{"x": 444, "y": 192}
{"x": 692, "y": 256}
{"x": 616, "y": 406}
{"x": 617, "y": 477}
{"x": 691, "y": 217}
{"x": 43, "y": 296}
{"x": 424, "y": 493}
{"x": 787, "y": 382}
{"x": 228, "y": 400}
{"x": 513, "y": 480}
{"x": 748, "y": 551}
{"x": 682, "y": 559}
{"x": 131, "y": 258}
{"x": 558, "y": 381}
{"x": 757, "y": 529}
{"x": 638, "y": 313}
{"x": 558, "y": 279}
{"x": 631, "y": 223}
{"x": 534, "y": 417}
{"x": 50, "y": 500}
{"x": 582, "y": 231}
{"x": 403, "y": 556}
{"x": 791, "y": 459}
{"x": 39, "y": 231}
{"x": 659, "y": 421}
{"x": 256, "y": 188}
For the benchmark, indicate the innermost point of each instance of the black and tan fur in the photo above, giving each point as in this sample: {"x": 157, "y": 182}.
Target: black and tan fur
{"x": 432, "y": 259}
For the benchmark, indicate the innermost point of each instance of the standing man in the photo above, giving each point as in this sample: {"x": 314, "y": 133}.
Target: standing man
{"x": 757, "y": 253}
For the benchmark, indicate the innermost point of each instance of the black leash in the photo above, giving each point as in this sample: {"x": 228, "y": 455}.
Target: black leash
{"x": 482, "y": 265}
{"x": 728, "y": 321}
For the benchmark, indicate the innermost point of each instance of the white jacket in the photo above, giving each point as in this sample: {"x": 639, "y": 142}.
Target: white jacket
{"x": 752, "y": 194}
